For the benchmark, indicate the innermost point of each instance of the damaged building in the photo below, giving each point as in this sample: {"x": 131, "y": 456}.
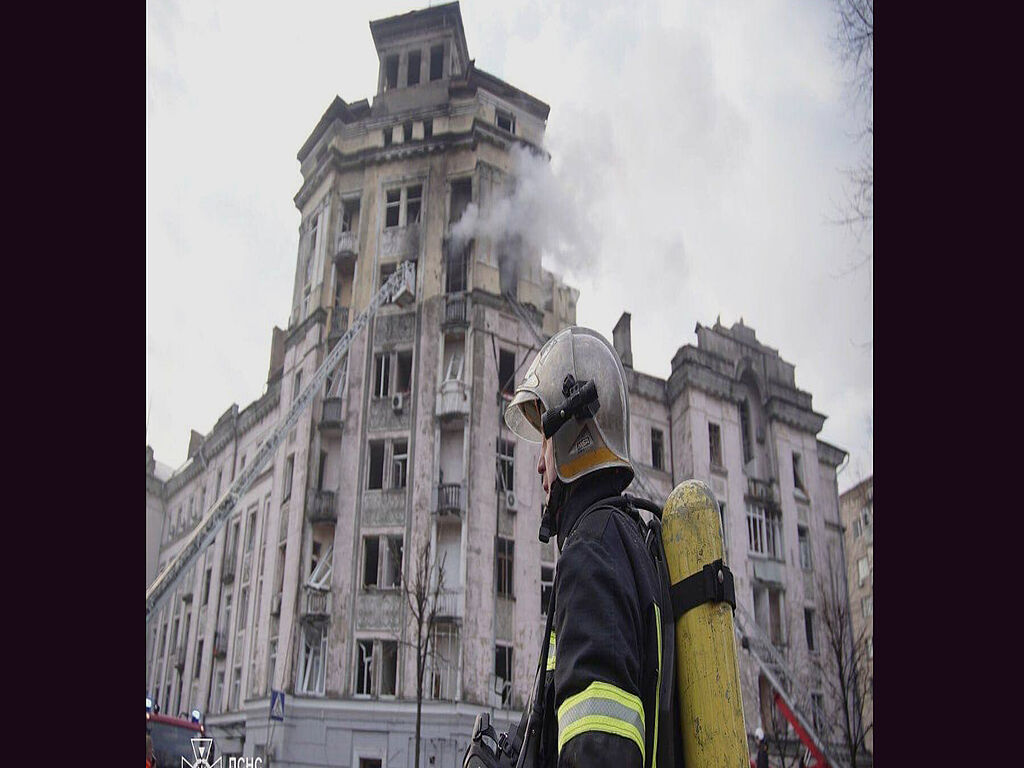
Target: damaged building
{"x": 405, "y": 448}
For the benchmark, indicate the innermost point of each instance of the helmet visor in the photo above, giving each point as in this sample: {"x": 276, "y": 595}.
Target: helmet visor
{"x": 523, "y": 416}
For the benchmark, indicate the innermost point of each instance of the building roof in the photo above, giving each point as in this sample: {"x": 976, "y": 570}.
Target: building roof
{"x": 404, "y": 24}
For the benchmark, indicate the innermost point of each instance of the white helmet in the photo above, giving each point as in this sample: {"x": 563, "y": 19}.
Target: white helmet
{"x": 593, "y": 440}
{"x": 759, "y": 734}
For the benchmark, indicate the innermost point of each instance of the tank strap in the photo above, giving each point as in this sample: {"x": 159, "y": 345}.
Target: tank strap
{"x": 711, "y": 584}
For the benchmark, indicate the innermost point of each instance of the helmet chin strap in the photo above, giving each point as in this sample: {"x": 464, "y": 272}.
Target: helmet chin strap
{"x": 549, "y": 515}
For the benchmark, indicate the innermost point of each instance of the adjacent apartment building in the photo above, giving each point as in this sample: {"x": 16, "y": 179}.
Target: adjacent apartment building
{"x": 303, "y": 589}
{"x": 858, "y": 513}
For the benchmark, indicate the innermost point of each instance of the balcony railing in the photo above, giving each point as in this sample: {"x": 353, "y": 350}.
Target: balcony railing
{"x": 346, "y": 246}
{"x": 763, "y": 490}
{"x": 332, "y": 416}
{"x": 455, "y": 312}
{"x": 320, "y": 506}
{"x": 227, "y": 574}
{"x": 220, "y": 643}
{"x": 449, "y": 499}
{"x": 452, "y": 399}
{"x": 316, "y": 603}
{"x": 449, "y": 604}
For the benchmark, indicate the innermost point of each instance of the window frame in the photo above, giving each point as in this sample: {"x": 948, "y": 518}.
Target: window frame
{"x": 506, "y": 474}
{"x": 715, "y": 441}
{"x": 658, "y": 458}
{"x": 504, "y": 567}
{"x": 508, "y": 651}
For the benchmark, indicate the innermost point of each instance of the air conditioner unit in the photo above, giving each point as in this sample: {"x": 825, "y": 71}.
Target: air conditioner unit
{"x": 275, "y": 605}
{"x": 510, "y": 501}
{"x": 397, "y": 402}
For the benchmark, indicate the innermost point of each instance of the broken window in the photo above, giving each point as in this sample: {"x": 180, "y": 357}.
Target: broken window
{"x": 350, "y": 215}
{"x": 443, "y": 663}
{"x": 312, "y": 654}
{"x": 436, "y": 62}
{"x": 407, "y": 131}
{"x": 391, "y": 72}
{"x": 503, "y": 563}
{"x": 428, "y": 128}
{"x": 399, "y": 464}
{"x": 387, "y": 143}
{"x": 371, "y": 560}
{"x": 364, "y": 668}
{"x": 382, "y": 374}
{"x": 382, "y": 561}
{"x": 393, "y": 207}
{"x": 505, "y": 120}
{"x": 507, "y": 371}
{"x": 508, "y": 269}
{"x": 809, "y": 627}
{"x": 388, "y": 667}
{"x": 506, "y": 464}
{"x": 376, "y": 480}
{"x": 456, "y": 272}
{"x": 404, "y": 383}
{"x": 547, "y": 580}
{"x": 414, "y": 200}
{"x": 657, "y": 449}
{"x": 503, "y": 673}
{"x": 764, "y": 531}
{"x": 798, "y": 474}
{"x": 286, "y": 491}
{"x": 392, "y": 566}
{"x": 804, "y": 542}
{"x": 413, "y": 74}
{"x": 320, "y": 576}
{"x": 715, "y": 443}
{"x": 748, "y": 451}
{"x": 453, "y": 371}
{"x": 461, "y": 196}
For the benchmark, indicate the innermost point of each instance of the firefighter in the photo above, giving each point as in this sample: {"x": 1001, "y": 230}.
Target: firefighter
{"x": 603, "y": 663}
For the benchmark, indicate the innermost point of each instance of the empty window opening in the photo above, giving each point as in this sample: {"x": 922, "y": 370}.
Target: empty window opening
{"x": 382, "y": 375}
{"x": 394, "y": 207}
{"x": 414, "y": 200}
{"x": 436, "y": 62}
{"x": 503, "y": 673}
{"x": 364, "y": 668}
{"x": 382, "y": 561}
{"x": 371, "y": 560}
{"x": 407, "y": 131}
{"x": 376, "y": 479}
{"x": 506, "y": 464}
{"x": 386, "y": 271}
{"x": 461, "y": 196}
{"x": 350, "y": 215}
{"x": 804, "y": 542}
{"x": 508, "y": 269}
{"x": 399, "y": 464}
{"x": 453, "y": 351}
{"x": 505, "y": 120}
{"x": 428, "y": 128}
{"x": 715, "y": 443}
{"x": 503, "y": 564}
{"x": 391, "y": 72}
{"x": 748, "y": 451}
{"x": 809, "y": 628}
{"x": 387, "y": 136}
{"x": 457, "y": 268}
{"x": 413, "y": 73}
{"x": 388, "y": 667}
{"x": 657, "y": 449}
{"x": 798, "y": 474}
{"x": 286, "y": 491}
{"x": 404, "y": 383}
{"x": 507, "y": 371}
{"x": 312, "y": 655}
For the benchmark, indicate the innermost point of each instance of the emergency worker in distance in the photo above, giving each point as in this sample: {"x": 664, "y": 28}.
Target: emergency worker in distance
{"x": 600, "y": 693}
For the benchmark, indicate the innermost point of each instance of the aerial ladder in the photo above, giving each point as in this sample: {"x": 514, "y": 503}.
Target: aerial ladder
{"x": 399, "y": 288}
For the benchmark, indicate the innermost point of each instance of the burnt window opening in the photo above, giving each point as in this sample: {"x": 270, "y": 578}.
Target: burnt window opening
{"x": 428, "y": 128}
{"x": 657, "y": 449}
{"x": 461, "y": 196}
{"x": 507, "y": 371}
{"x": 394, "y": 207}
{"x": 748, "y": 450}
{"x": 436, "y": 62}
{"x": 404, "y": 372}
{"x": 391, "y": 72}
{"x": 413, "y": 73}
{"x": 508, "y": 270}
{"x": 349, "y": 215}
{"x": 505, "y": 120}
{"x": 456, "y": 274}
{"x": 715, "y": 444}
{"x": 407, "y": 131}
{"x": 413, "y": 201}
{"x": 376, "y": 479}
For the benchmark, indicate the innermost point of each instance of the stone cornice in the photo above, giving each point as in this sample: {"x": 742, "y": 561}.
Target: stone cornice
{"x": 830, "y": 454}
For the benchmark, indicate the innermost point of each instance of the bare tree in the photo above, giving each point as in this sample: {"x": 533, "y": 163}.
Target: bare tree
{"x": 843, "y": 664}
{"x": 782, "y": 740}
{"x": 422, "y": 592}
{"x": 854, "y": 41}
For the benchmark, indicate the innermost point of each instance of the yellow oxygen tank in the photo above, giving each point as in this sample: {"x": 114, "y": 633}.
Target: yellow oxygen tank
{"x": 710, "y": 700}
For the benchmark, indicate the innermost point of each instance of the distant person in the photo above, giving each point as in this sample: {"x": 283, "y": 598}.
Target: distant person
{"x": 150, "y": 757}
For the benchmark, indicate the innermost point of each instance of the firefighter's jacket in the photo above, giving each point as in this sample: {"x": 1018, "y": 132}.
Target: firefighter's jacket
{"x": 602, "y": 676}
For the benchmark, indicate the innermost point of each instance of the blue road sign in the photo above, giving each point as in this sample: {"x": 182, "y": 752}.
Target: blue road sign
{"x": 276, "y": 705}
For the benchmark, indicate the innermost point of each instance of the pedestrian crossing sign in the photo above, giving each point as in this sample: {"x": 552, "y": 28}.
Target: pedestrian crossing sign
{"x": 276, "y": 705}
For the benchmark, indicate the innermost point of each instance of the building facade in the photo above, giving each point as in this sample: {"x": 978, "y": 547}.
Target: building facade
{"x": 304, "y": 590}
{"x": 858, "y": 513}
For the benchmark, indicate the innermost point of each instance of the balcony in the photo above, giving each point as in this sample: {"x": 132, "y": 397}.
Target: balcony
{"x": 332, "y": 417}
{"x": 346, "y": 249}
{"x": 316, "y": 603}
{"x": 452, "y": 399}
{"x": 400, "y": 242}
{"x": 227, "y": 574}
{"x": 449, "y": 500}
{"x": 456, "y": 312}
{"x": 178, "y": 654}
{"x": 767, "y": 492}
{"x": 339, "y": 324}
{"x": 220, "y": 644}
{"x": 449, "y": 604}
{"x": 320, "y": 507}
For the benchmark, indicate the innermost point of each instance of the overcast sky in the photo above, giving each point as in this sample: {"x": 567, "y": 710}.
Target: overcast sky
{"x": 702, "y": 143}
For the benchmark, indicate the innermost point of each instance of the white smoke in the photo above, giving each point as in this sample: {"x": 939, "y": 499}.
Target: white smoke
{"x": 542, "y": 208}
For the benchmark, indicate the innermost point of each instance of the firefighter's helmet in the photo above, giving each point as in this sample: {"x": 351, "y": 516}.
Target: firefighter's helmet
{"x": 597, "y": 440}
